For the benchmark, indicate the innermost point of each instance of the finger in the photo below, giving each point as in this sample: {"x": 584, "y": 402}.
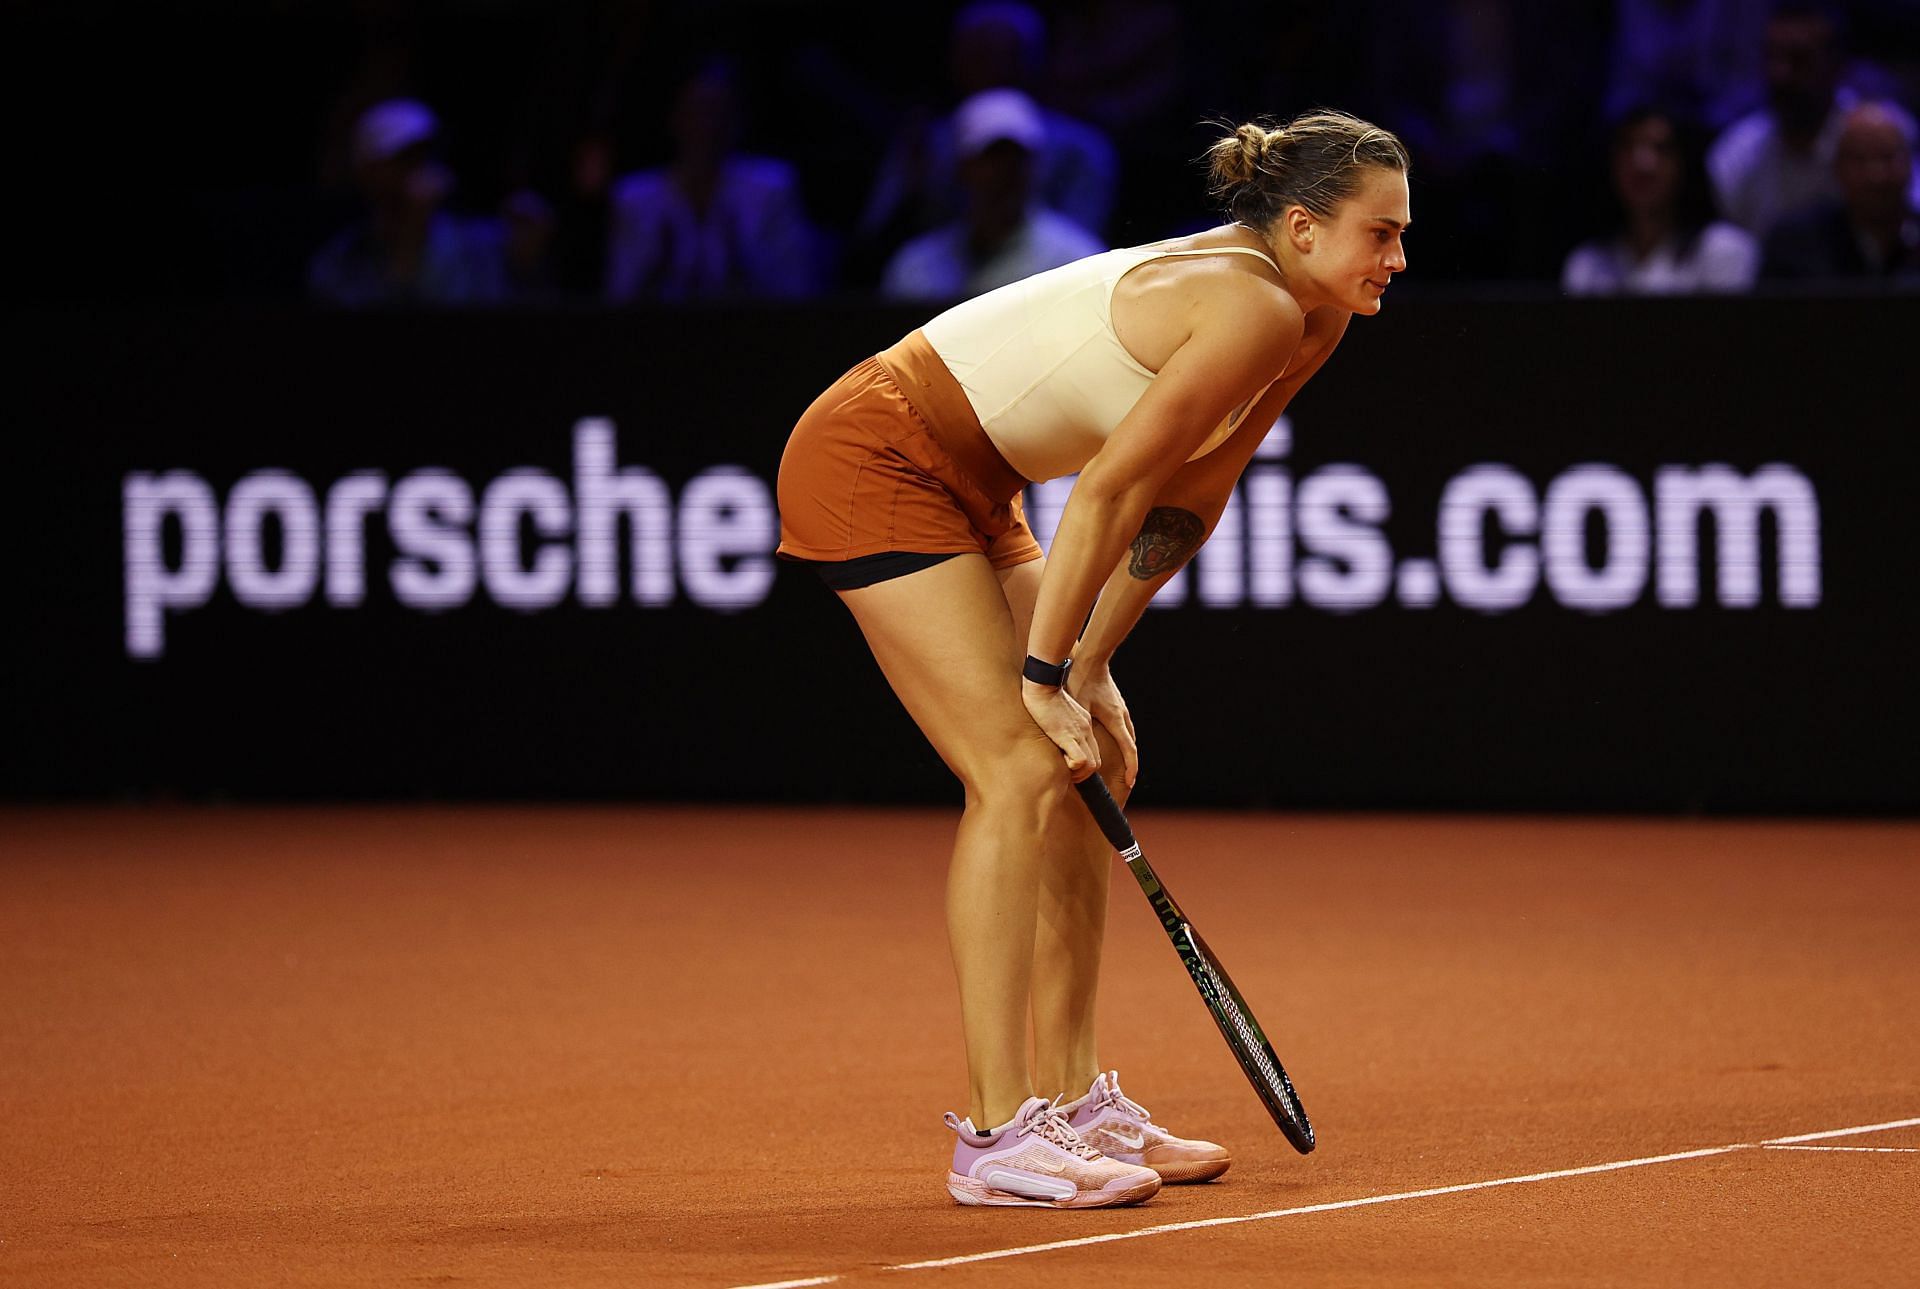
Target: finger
{"x": 1087, "y": 749}
{"x": 1130, "y": 759}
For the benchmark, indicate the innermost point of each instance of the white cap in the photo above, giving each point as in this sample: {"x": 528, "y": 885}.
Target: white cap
{"x": 388, "y": 128}
{"x": 993, "y": 115}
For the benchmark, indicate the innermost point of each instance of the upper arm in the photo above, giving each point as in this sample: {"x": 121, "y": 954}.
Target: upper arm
{"x": 1203, "y": 486}
{"x": 1243, "y": 331}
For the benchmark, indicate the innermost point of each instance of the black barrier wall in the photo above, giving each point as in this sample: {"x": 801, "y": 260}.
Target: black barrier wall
{"x": 1501, "y": 554}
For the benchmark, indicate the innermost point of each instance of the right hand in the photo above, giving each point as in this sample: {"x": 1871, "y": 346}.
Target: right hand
{"x": 1067, "y": 723}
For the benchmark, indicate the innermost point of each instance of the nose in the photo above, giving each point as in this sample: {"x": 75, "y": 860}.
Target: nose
{"x": 1396, "y": 257}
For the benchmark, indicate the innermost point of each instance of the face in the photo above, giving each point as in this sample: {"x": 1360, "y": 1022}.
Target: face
{"x": 1873, "y": 166}
{"x": 1646, "y": 166}
{"x": 1353, "y": 255}
{"x": 998, "y": 182}
{"x": 1802, "y": 67}
{"x": 705, "y": 116}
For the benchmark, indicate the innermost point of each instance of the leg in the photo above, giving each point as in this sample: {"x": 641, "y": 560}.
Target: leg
{"x": 944, "y": 638}
{"x": 1072, "y": 915}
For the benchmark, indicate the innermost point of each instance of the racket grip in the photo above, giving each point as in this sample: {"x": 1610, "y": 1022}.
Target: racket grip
{"x": 1106, "y": 812}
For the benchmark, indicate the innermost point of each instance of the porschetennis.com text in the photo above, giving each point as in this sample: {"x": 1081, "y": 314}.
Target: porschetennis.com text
{"x": 1593, "y": 538}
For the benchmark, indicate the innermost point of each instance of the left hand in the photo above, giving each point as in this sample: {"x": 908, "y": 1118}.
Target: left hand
{"x": 1092, "y": 684}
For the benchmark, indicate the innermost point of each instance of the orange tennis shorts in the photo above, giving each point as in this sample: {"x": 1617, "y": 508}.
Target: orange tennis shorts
{"x": 892, "y": 459}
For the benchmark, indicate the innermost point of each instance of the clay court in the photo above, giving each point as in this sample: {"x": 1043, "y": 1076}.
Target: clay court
{"x": 706, "y": 1047}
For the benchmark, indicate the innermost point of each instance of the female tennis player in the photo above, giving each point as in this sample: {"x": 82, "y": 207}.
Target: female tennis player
{"x": 1154, "y": 372}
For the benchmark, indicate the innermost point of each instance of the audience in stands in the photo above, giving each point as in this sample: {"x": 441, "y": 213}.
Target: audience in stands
{"x": 604, "y": 175}
{"x": 1004, "y": 232}
{"x": 995, "y": 45}
{"x": 1665, "y": 238}
{"x": 407, "y": 248}
{"x": 1872, "y": 230}
{"x": 713, "y": 224}
{"x": 1701, "y": 57}
{"x": 1779, "y": 158}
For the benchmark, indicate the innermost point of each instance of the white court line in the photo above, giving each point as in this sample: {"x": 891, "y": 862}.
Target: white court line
{"x": 1854, "y": 1150}
{"x": 1362, "y": 1202}
{"x": 1843, "y": 1132}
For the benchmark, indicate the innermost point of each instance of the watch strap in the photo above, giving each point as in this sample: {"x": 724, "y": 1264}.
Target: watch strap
{"x": 1041, "y": 672}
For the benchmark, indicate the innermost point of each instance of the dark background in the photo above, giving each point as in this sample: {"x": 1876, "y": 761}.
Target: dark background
{"x": 1766, "y": 709}
{"x": 172, "y": 167}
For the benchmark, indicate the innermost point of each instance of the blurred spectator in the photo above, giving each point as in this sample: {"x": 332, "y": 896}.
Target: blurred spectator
{"x": 408, "y": 250}
{"x": 1700, "y": 56}
{"x": 994, "y": 45}
{"x": 1779, "y": 159}
{"x": 1665, "y": 239}
{"x": 1485, "y": 94}
{"x": 1129, "y": 67}
{"x": 1005, "y": 233}
{"x": 1120, "y": 63}
{"x": 713, "y": 223}
{"x": 1873, "y": 230}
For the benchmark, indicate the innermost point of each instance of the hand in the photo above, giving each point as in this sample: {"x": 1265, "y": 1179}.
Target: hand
{"x": 1065, "y": 722}
{"x": 1093, "y": 687}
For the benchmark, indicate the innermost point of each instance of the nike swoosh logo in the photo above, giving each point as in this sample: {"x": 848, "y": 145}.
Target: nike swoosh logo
{"x": 1131, "y": 1140}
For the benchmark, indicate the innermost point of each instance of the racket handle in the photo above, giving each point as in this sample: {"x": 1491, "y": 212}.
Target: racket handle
{"x": 1106, "y": 812}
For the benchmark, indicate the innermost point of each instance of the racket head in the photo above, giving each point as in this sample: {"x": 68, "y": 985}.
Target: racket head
{"x": 1249, "y": 1043}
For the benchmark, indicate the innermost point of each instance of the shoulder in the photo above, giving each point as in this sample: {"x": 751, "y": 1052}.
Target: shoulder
{"x": 641, "y": 188}
{"x": 1726, "y": 257}
{"x": 1055, "y": 230}
{"x": 1721, "y": 240}
{"x": 928, "y": 267}
{"x": 761, "y": 174}
{"x": 1589, "y": 269}
{"x": 1745, "y": 134}
{"x": 1250, "y": 312}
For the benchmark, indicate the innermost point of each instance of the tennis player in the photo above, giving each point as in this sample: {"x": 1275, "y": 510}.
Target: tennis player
{"x": 1154, "y": 372}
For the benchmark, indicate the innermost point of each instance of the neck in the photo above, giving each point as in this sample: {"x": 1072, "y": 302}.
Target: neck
{"x": 1299, "y": 282}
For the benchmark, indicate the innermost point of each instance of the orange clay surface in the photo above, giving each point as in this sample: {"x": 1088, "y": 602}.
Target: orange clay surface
{"x": 678, "y": 1046}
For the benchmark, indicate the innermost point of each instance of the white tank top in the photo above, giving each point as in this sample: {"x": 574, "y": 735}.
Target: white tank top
{"x": 1043, "y": 369}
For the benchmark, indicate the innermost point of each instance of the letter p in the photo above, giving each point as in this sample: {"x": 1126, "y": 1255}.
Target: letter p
{"x": 152, "y": 588}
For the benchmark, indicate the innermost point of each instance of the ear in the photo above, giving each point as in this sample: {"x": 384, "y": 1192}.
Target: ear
{"x": 1296, "y": 225}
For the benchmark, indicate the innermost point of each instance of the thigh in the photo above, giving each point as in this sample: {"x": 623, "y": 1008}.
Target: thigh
{"x": 945, "y": 639}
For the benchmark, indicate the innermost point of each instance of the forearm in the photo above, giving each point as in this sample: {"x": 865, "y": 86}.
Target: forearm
{"x": 1167, "y": 539}
{"x": 1093, "y": 535}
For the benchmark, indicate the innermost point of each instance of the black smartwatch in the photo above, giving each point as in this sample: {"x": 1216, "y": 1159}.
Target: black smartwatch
{"x": 1053, "y": 674}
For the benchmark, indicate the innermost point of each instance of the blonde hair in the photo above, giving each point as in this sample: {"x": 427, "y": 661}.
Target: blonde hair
{"x": 1314, "y": 160}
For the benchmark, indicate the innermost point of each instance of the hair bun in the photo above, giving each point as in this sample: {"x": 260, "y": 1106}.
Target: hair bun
{"x": 1258, "y": 169}
{"x": 1236, "y": 159}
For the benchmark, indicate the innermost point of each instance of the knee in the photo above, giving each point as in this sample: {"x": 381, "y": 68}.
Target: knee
{"x": 1027, "y": 775}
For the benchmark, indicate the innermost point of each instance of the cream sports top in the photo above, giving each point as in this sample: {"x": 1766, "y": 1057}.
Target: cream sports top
{"x": 1043, "y": 369}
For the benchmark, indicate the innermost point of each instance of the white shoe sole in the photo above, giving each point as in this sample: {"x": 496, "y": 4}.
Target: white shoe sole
{"x": 966, "y": 1190}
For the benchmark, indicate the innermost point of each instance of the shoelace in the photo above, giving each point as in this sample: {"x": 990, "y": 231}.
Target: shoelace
{"x": 1050, "y": 1125}
{"x": 1119, "y": 1100}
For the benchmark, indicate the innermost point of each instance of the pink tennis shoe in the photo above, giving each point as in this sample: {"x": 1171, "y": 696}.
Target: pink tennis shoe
{"x": 1037, "y": 1160}
{"x": 1122, "y": 1129}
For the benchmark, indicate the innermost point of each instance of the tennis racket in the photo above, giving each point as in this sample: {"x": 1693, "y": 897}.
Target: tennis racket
{"x": 1237, "y": 1025}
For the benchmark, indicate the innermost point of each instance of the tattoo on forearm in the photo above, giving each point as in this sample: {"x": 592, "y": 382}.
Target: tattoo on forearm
{"x": 1167, "y": 539}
